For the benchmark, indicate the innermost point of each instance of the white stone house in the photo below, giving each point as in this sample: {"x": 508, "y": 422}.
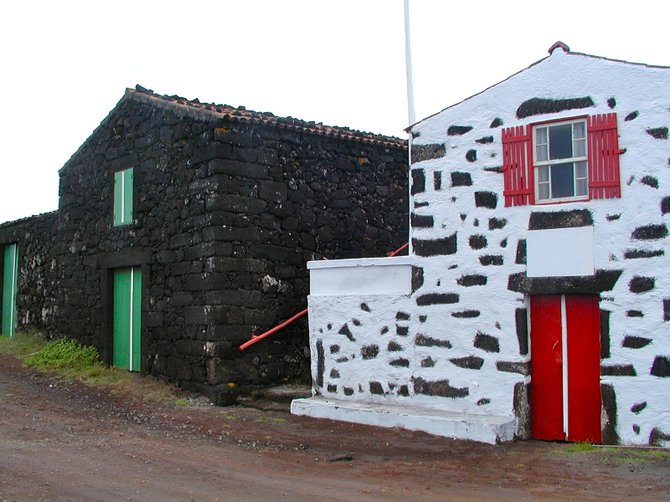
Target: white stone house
{"x": 535, "y": 300}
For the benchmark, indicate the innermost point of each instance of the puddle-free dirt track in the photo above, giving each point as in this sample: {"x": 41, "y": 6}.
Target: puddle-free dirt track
{"x": 65, "y": 441}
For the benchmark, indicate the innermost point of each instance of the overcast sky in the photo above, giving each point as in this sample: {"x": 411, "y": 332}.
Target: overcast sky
{"x": 65, "y": 64}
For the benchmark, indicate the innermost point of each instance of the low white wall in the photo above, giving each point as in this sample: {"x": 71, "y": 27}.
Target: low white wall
{"x": 364, "y": 276}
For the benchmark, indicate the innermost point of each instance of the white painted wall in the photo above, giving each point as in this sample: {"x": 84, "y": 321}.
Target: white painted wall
{"x": 636, "y": 88}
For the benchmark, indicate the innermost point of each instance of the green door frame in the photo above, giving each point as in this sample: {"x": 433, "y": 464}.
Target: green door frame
{"x": 10, "y": 278}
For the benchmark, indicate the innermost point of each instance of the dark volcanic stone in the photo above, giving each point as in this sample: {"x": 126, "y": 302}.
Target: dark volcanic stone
{"x": 469, "y": 362}
{"x": 661, "y": 367}
{"x": 457, "y": 130}
{"x": 488, "y": 259}
{"x": 486, "y": 199}
{"x": 635, "y": 342}
{"x": 471, "y": 155}
{"x": 477, "y": 241}
{"x": 641, "y": 284}
{"x": 369, "y": 351}
{"x": 486, "y": 342}
{"x": 617, "y": 370}
{"x": 611, "y": 102}
{"x": 638, "y": 407}
{"x": 427, "y": 152}
{"x": 649, "y": 181}
{"x": 466, "y": 314}
{"x": 400, "y": 362}
{"x": 540, "y": 106}
{"x": 560, "y": 219}
{"x": 472, "y": 280}
{"x": 631, "y": 254}
{"x": 521, "y": 323}
{"x": 439, "y": 388}
{"x": 631, "y": 116}
{"x": 437, "y": 299}
{"x": 422, "y": 340}
{"x": 394, "y": 347}
{"x": 421, "y": 221}
{"x": 460, "y": 179}
{"x": 344, "y": 330}
{"x": 435, "y": 247}
{"x": 497, "y": 223}
{"x": 418, "y": 181}
{"x": 520, "y": 252}
{"x": 513, "y": 367}
{"x": 437, "y": 180}
{"x": 485, "y": 140}
{"x": 376, "y": 388}
{"x": 658, "y": 132}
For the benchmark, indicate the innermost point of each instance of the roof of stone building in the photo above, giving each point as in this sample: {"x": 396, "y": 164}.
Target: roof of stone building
{"x": 240, "y": 114}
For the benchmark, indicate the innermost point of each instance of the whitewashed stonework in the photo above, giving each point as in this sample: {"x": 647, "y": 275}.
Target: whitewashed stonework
{"x": 457, "y": 343}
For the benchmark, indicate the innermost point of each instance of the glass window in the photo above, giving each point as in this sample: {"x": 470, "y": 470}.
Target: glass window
{"x": 560, "y": 161}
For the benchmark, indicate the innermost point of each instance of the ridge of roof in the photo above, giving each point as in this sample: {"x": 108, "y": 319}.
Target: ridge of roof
{"x": 552, "y": 49}
{"x": 241, "y": 114}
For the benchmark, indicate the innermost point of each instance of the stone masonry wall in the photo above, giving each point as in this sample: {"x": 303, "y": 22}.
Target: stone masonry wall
{"x": 226, "y": 214}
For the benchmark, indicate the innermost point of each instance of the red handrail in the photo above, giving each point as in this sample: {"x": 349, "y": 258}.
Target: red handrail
{"x": 258, "y": 338}
{"x": 393, "y": 253}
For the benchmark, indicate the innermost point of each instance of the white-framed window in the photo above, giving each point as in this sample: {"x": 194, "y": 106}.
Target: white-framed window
{"x": 560, "y": 161}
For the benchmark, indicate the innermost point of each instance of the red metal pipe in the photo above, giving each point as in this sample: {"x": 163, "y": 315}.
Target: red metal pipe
{"x": 393, "y": 253}
{"x": 258, "y": 338}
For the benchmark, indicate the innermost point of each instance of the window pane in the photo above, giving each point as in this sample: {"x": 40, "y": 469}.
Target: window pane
{"x": 543, "y": 174}
{"x": 580, "y": 169}
{"x": 543, "y": 190}
{"x": 581, "y": 187}
{"x": 541, "y": 153}
{"x": 579, "y": 130}
{"x": 562, "y": 180}
{"x": 541, "y": 135}
{"x": 560, "y": 142}
{"x": 580, "y": 148}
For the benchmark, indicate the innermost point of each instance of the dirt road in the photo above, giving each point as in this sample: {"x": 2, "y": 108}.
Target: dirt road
{"x": 65, "y": 441}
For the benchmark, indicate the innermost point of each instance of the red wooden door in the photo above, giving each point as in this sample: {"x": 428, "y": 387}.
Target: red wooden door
{"x": 565, "y": 368}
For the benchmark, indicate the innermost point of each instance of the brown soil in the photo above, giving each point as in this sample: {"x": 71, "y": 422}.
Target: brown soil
{"x": 65, "y": 441}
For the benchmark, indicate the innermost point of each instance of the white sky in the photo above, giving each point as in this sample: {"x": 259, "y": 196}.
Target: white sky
{"x": 65, "y": 64}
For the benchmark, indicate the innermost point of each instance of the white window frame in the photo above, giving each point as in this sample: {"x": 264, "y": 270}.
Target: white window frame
{"x": 540, "y": 163}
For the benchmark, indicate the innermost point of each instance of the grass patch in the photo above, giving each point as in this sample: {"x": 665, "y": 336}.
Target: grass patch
{"x": 579, "y": 448}
{"x": 65, "y": 355}
{"x": 636, "y": 456}
{"x": 72, "y": 361}
{"x": 22, "y": 344}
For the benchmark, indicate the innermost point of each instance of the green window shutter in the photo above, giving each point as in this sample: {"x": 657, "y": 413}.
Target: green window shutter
{"x": 118, "y": 198}
{"x": 128, "y": 196}
{"x": 123, "y": 197}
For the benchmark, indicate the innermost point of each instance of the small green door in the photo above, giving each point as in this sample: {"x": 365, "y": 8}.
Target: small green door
{"x": 10, "y": 275}
{"x": 127, "y": 318}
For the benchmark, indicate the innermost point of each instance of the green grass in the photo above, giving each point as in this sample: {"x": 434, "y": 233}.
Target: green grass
{"x": 22, "y": 344}
{"x": 72, "y": 361}
{"x": 578, "y": 448}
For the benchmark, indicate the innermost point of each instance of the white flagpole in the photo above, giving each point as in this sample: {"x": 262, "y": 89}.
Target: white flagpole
{"x": 408, "y": 68}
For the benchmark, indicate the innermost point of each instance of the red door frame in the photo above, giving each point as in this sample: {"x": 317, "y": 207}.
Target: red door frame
{"x": 565, "y": 368}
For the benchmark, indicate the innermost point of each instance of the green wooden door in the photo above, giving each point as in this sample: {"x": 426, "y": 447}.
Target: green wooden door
{"x": 127, "y": 318}
{"x": 10, "y": 275}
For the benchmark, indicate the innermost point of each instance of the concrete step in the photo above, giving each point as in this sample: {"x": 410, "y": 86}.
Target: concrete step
{"x": 276, "y": 398}
{"x": 483, "y": 428}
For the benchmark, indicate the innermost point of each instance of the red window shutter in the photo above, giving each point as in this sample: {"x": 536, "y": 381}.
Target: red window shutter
{"x": 603, "y": 154}
{"x": 517, "y": 166}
